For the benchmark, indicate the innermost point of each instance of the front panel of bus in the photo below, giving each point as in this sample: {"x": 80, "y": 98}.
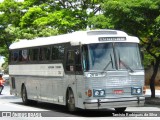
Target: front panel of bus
{"x": 114, "y": 75}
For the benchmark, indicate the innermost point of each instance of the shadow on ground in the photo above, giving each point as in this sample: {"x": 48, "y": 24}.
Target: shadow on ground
{"x": 52, "y": 109}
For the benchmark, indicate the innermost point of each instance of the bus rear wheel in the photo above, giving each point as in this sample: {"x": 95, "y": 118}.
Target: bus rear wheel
{"x": 70, "y": 101}
{"x": 25, "y": 99}
{"x": 120, "y": 109}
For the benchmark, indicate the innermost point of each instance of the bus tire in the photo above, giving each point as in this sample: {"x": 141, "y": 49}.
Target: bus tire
{"x": 24, "y": 95}
{"x": 120, "y": 109}
{"x": 70, "y": 101}
{"x": 25, "y": 99}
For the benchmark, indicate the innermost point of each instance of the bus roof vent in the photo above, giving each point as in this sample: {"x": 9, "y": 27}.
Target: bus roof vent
{"x": 104, "y": 32}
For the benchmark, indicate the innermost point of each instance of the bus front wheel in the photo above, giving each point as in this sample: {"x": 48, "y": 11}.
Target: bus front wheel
{"x": 71, "y": 101}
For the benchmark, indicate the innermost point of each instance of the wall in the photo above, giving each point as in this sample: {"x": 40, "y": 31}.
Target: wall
{"x": 148, "y": 74}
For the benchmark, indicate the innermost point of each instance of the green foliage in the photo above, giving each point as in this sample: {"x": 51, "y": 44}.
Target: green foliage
{"x": 65, "y": 16}
{"x": 17, "y": 22}
{"x": 9, "y": 12}
{"x": 137, "y": 17}
{"x": 30, "y": 16}
{"x": 9, "y": 15}
{"x": 100, "y": 21}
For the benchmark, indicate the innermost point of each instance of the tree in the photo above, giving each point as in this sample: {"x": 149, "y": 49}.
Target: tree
{"x": 37, "y": 18}
{"x": 100, "y": 22}
{"x": 140, "y": 18}
{"x": 11, "y": 15}
{"x": 8, "y": 16}
{"x": 65, "y": 16}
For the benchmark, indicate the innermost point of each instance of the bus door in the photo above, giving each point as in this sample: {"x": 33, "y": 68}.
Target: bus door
{"x": 79, "y": 78}
{"x": 70, "y": 68}
{"x": 74, "y": 70}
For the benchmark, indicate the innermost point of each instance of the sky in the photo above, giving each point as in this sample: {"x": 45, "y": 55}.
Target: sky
{"x": 1, "y": 59}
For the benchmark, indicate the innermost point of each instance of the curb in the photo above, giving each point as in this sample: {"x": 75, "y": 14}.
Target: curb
{"x": 153, "y": 101}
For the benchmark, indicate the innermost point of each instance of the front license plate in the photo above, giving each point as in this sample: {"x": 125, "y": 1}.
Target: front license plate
{"x": 118, "y": 91}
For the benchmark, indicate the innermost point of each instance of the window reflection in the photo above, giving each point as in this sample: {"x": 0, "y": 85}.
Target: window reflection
{"x": 106, "y": 56}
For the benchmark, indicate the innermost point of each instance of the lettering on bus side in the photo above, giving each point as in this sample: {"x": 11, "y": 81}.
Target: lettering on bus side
{"x": 58, "y": 66}
{"x": 50, "y": 67}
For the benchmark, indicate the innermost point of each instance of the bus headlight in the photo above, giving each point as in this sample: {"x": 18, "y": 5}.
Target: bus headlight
{"x": 136, "y": 90}
{"x": 98, "y": 93}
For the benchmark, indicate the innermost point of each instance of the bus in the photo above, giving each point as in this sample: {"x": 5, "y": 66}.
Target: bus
{"x": 94, "y": 69}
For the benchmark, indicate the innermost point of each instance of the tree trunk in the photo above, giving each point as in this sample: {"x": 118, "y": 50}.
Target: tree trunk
{"x": 152, "y": 80}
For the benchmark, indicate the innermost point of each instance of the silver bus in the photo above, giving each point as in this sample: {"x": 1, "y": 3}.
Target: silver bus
{"x": 94, "y": 69}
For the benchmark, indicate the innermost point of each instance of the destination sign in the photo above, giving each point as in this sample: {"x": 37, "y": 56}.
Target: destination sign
{"x": 112, "y": 38}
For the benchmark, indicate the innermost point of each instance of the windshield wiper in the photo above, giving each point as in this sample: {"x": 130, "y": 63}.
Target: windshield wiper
{"x": 111, "y": 61}
{"x": 124, "y": 64}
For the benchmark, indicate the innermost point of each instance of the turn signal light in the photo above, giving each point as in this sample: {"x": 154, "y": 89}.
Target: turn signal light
{"x": 89, "y": 93}
{"x": 144, "y": 89}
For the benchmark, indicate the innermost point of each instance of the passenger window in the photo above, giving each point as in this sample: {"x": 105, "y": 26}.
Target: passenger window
{"x": 61, "y": 52}
{"x": 47, "y": 53}
{"x": 57, "y": 52}
{"x": 44, "y": 53}
{"x": 33, "y": 54}
{"x": 20, "y": 55}
{"x": 23, "y": 55}
{"x": 15, "y": 55}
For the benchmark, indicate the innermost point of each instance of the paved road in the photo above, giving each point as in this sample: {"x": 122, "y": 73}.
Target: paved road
{"x": 11, "y": 103}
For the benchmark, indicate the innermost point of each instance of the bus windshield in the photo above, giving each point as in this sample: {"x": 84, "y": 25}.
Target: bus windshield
{"x": 111, "y": 56}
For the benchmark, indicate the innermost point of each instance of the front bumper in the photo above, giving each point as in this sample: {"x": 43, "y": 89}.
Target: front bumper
{"x": 114, "y": 102}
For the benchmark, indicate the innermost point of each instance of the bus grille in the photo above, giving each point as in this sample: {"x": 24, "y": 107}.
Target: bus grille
{"x": 116, "y": 79}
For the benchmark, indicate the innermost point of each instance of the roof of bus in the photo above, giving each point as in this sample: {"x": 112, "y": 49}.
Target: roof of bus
{"x": 77, "y": 38}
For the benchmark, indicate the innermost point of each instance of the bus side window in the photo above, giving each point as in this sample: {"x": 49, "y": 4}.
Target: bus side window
{"x": 33, "y": 54}
{"x": 15, "y": 55}
{"x": 20, "y": 55}
{"x": 70, "y": 61}
{"x": 61, "y": 52}
{"x": 42, "y": 54}
{"x": 55, "y": 53}
{"x": 12, "y": 56}
{"x": 24, "y": 55}
{"x": 47, "y": 53}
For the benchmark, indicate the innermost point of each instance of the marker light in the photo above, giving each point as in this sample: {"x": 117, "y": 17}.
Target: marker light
{"x": 144, "y": 90}
{"x": 89, "y": 93}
